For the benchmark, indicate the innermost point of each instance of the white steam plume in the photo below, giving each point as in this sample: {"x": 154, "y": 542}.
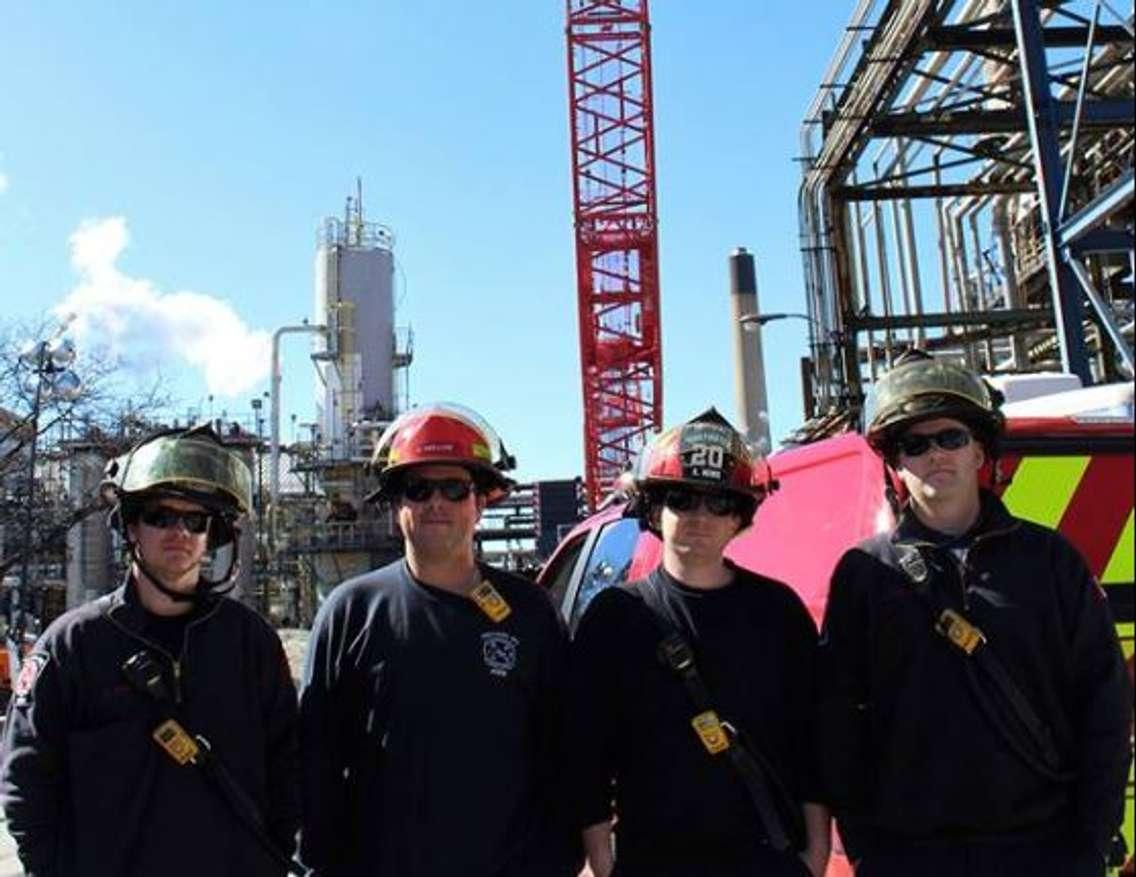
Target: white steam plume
{"x": 144, "y": 327}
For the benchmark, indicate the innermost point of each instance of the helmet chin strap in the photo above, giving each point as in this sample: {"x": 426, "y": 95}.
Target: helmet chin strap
{"x": 889, "y": 492}
{"x": 203, "y": 589}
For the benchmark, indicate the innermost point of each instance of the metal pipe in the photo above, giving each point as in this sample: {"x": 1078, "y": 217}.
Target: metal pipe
{"x": 924, "y": 83}
{"x": 959, "y": 260}
{"x": 1082, "y": 87}
{"x": 1103, "y": 311}
{"x": 860, "y": 244}
{"x": 1109, "y": 200}
{"x": 912, "y": 253}
{"x": 274, "y": 447}
{"x": 901, "y": 264}
{"x": 885, "y": 277}
{"x": 980, "y": 275}
{"x": 944, "y": 256}
{"x": 1012, "y": 294}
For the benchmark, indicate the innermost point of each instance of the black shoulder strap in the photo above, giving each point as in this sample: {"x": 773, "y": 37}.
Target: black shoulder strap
{"x": 185, "y": 747}
{"x": 1009, "y": 710}
{"x": 779, "y": 814}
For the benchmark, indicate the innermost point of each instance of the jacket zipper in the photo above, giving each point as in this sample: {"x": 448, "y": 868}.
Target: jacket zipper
{"x": 185, "y": 647}
{"x": 175, "y": 663}
{"x": 963, "y": 566}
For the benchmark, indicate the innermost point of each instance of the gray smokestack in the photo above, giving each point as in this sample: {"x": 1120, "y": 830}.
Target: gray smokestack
{"x": 749, "y": 365}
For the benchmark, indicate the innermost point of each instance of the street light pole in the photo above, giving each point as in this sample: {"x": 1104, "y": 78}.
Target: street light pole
{"x": 21, "y": 595}
{"x": 819, "y": 344}
{"x": 50, "y": 363}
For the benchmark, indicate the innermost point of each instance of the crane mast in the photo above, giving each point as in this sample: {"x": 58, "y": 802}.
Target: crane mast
{"x": 615, "y": 212}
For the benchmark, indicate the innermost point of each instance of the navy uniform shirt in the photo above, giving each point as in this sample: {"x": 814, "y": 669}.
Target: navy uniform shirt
{"x": 678, "y": 808}
{"x": 429, "y": 731}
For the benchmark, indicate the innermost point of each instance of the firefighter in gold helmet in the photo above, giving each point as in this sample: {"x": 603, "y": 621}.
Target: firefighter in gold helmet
{"x": 86, "y": 787}
{"x": 974, "y": 700}
{"x": 430, "y": 701}
{"x": 692, "y": 688}
{"x": 180, "y": 470}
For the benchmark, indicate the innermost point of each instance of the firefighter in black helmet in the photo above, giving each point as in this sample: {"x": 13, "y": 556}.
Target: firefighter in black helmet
{"x": 710, "y": 758}
{"x": 86, "y": 788}
{"x": 974, "y": 700}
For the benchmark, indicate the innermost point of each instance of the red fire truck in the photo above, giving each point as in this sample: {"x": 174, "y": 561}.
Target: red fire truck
{"x": 1067, "y": 463}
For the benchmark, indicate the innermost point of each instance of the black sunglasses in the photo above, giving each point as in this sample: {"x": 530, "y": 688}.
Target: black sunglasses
{"x": 684, "y": 499}
{"x": 166, "y": 519}
{"x": 421, "y": 489}
{"x": 916, "y": 444}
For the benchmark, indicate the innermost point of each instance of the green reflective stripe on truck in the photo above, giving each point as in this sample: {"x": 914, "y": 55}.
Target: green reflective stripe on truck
{"x": 1043, "y": 487}
{"x": 1124, "y": 633}
{"x": 1119, "y": 567}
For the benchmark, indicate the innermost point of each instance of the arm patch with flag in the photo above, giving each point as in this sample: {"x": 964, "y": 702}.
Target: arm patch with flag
{"x": 29, "y": 672}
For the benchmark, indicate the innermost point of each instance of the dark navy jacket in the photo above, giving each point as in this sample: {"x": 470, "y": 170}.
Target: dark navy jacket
{"x": 88, "y": 792}
{"x": 909, "y": 754}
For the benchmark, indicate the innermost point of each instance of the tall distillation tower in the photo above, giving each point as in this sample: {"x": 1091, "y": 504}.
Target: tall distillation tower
{"x": 361, "y": 380}
{"x": 359, "y": 361}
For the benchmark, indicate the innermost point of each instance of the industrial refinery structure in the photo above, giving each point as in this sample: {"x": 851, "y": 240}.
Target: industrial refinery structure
{"x": 967, "y": 187}
{"x": 310, "y": 528}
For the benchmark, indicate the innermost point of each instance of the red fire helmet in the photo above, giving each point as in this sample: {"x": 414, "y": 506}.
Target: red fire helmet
{"x": 442, "y": 433}
{"x": 704, "y": 452}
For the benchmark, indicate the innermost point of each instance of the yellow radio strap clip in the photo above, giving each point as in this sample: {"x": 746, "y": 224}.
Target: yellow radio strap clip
{"x": 711, "y": 732}
{"x": 177, "y": 743}
{"x": 961, "y": 633}
{"x": 490, "y": 602}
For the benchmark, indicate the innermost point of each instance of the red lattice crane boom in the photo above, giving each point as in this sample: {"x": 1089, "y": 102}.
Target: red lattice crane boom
{"x": 617, "y": 271}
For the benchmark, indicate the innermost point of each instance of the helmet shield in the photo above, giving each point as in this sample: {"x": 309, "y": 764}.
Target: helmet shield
{"x": 196, "y": 465}
{"x": 192, "y": 465}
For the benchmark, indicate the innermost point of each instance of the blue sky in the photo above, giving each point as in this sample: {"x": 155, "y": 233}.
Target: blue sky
{"x": 190, "y": 150}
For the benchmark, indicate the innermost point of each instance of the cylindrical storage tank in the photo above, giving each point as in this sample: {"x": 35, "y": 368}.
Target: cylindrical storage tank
{"x": 89, "y": 547}
{"x": 354, "y": 296}
{"x": 324, "y": 346}
{"x": 245, "y": 586}
{"x": 749, "y": 368}
{"x": 247, "y": 580}
{"x": 366, "y": 280}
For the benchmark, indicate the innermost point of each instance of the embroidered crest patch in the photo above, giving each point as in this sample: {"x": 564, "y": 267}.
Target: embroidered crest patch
{"x": 499, "y": 651}
{"x": 29, "y": 672}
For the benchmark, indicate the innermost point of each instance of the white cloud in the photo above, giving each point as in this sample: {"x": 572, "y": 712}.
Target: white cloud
{"x": 145, "y": 327}
{"x": 3, "y": 182}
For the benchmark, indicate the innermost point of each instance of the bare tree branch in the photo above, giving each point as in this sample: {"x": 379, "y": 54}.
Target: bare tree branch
{"x": 107, "y": 416}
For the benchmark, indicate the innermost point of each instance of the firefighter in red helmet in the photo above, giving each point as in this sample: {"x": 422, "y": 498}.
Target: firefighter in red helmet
{"x": 430, "y": 700}
{"x": 973, "y": 700}
{"x": 691, "y": 690}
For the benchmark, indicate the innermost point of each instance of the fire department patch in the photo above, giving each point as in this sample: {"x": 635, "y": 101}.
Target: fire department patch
{"x": 29, "y": 673}
{"x": 499, "y": 651}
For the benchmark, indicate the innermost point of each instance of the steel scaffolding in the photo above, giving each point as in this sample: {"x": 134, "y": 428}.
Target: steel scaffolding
{"x": 967, "y": 188}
